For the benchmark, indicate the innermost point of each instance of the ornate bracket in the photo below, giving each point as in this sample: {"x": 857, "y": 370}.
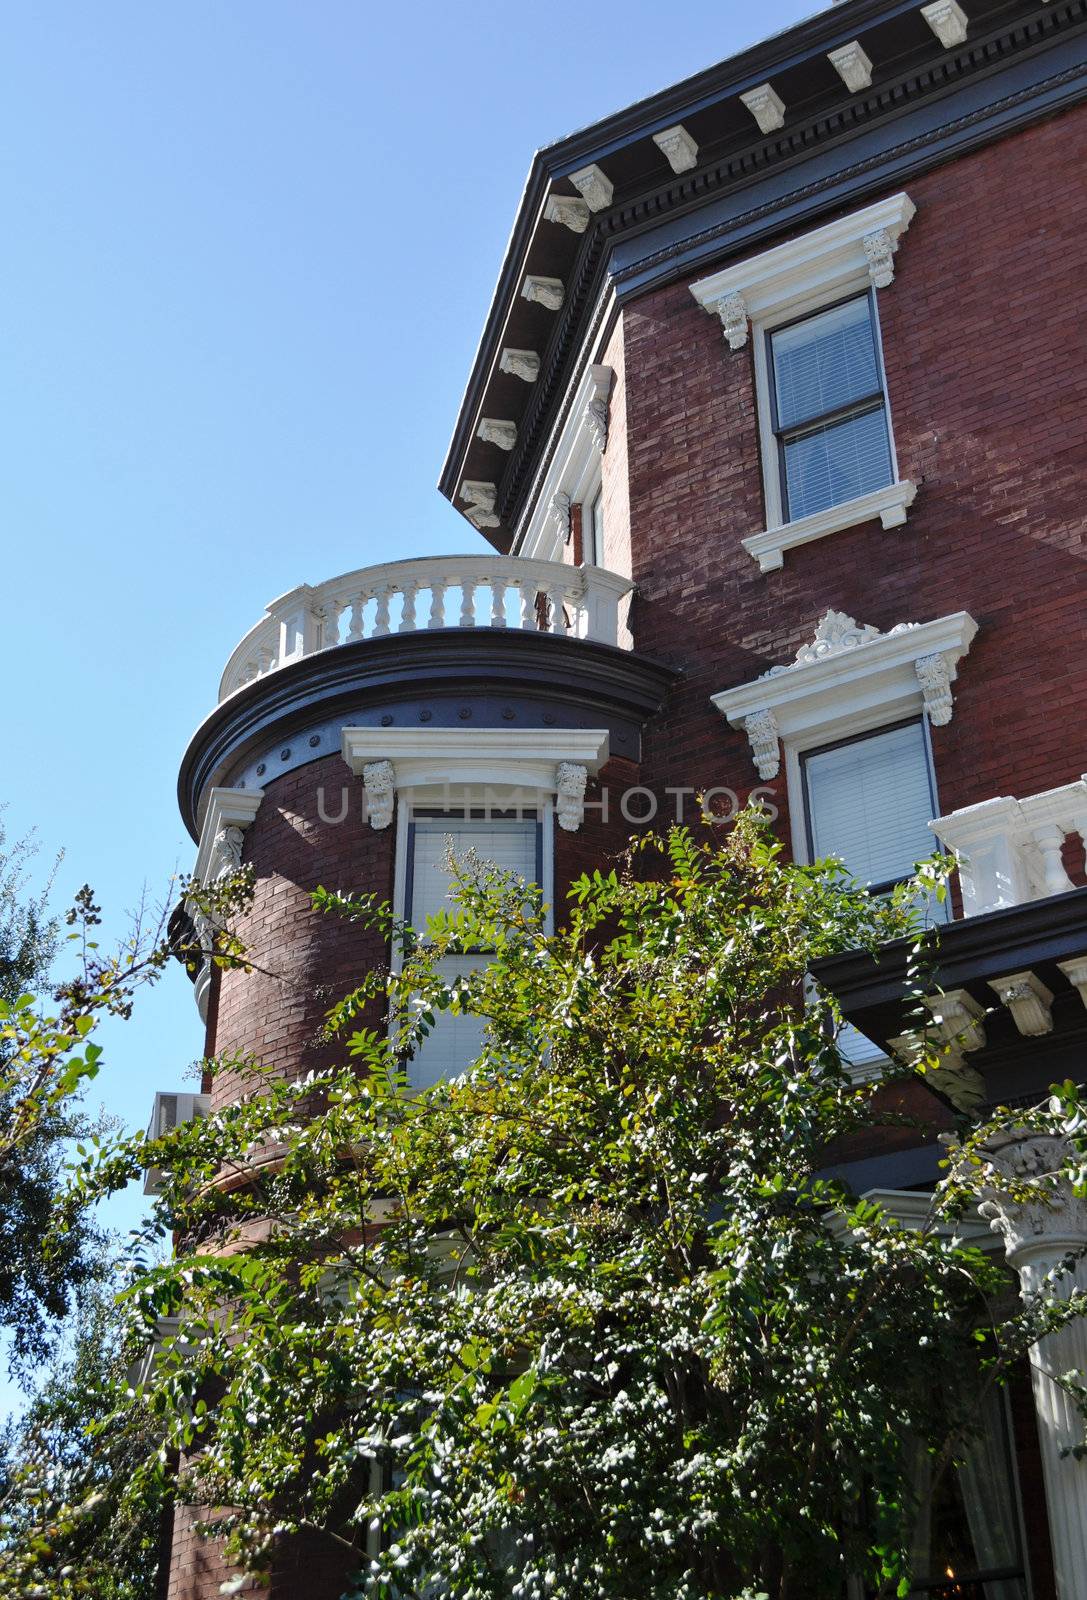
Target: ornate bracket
{"x": 762, "y": 732}
{"x": 379, "y": 781}
{"x": 1028, "y": 1000}
{"x": 570, "y": 781}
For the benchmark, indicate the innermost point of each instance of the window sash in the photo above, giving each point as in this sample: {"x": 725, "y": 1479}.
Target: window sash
{"x": 872, "y": 470}
{"x": 906, "y": 746}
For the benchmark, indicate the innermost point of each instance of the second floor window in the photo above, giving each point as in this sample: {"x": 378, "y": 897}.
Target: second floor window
{"x": 594, "y": 530}
{"x": 829, "y": 408}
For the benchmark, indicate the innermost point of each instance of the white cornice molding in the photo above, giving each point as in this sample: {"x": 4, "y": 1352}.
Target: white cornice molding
{"x": 851, "y": 251}
{"x": 574, "y": 462}
{"x": 452, "y": 759}
{"x": 889, "y": 504}
{"x": 848, "y": 677}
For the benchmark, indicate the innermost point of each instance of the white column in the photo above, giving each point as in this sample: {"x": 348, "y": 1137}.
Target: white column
{"x": 1038, "y": 1235}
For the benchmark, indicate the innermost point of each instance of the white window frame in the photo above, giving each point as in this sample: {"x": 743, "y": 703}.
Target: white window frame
{"x": 575, "y": 468}
{"x": 820, "y": 269}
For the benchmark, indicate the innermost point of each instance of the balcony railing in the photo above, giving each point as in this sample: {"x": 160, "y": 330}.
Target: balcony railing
{"x": 1011, "y": 851}
{"x": 430, "y": 592}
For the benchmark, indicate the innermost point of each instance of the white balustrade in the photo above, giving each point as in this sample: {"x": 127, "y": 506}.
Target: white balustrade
{"x": 1010, "y": 851}
{"x": 431, "y": 592}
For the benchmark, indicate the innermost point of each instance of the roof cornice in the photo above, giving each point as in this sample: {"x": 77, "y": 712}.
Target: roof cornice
{"x": 647, "y": 233}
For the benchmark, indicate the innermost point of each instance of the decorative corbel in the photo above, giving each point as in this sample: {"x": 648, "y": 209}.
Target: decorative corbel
{"x": 879, "y": 249}
{"x": 677, "y": 147}
{"x": 570, "y": 781}
{"x": 479, "y": 499}
{"x": 548, "y": 292}
{"x": 523, "y": 364}
{"x": 762, "y": 732}
{"x": 953, "y": 1077}
{"x": 1028, "y": 1000}
{"x": 568, "y": 211}
{"x": 948, "y": 21}
{"x": 559, "y": 515}
{"x": 1076, "y": 973}
{"x": 732, "y": 310}
{"x": 379, "y": 782}
{"x": 594, "y": 186}
{"x": 492, "y": 430}
{"x": 766, "y": 106}
{"x": 852, "y": 65}
{"x": 959, "y": 1018}
{"x": 596, "y": 422}
{"x": 934, "y": 676}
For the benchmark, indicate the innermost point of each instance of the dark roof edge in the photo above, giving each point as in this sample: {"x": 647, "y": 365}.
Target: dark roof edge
{"x": 837, "y": 24}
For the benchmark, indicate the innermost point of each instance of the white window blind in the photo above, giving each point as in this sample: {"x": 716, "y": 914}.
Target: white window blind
{"x": 594, "y": 543}
{"x": 870, "y": 803}
{"x": 511, "y": 843}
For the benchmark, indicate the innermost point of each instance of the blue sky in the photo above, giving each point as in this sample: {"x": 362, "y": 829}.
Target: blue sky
{"x": 248, "y": 251}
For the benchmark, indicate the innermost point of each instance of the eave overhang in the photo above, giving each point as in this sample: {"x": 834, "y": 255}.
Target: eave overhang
{"x": 878, "y": 995}
{"x": 927, "y": 102}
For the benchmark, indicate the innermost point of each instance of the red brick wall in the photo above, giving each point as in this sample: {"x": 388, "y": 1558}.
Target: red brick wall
{"x": 303, "y": 961}
{"x": 982, "y": 339}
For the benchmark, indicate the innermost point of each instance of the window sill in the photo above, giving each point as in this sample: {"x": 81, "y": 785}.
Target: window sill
{"x": 888, "y": 504}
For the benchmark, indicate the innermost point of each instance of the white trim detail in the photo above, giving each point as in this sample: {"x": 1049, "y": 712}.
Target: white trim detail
{"x": 849, "y": 679}
{"x": 479, "y": 499}
{"x": 594, "y": 186}
{"x": 677, "y": 147}
{"x": 550, "y": 761}
{"x": 853, "y": 65}
{"x": 1028, "y": 1000}
{"x": 948, "y": 21}
{"x": 548, "y": 292}
{"x": 229, "y": 812}
{"x": 523, "y": 364}
{"x": 889, "y": 504}
{"x": 495, "y": 430}
{"x": 568, "y": 212}
{"x": 820, "y": 265}
{"x": 574, "y": 468}
{"x": 1010, "y": 851}
{"x": 766, "y": 106}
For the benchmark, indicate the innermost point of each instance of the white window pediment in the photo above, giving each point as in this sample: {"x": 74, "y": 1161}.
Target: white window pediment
{"x": 574, "y": 470}
{"x": 851, "y": 677}
{"x": 550, "y": 762}
{"x": 229, "y": 812}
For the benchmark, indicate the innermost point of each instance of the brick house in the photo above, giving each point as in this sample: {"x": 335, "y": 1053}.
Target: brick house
{"x": 778, "y": 430}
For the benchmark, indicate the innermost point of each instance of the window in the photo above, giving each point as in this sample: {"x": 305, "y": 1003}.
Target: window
{"x": 967, "y": 1542}
{"x": 593, "y": 530}
{"x": 829, "y": 408}
{"x": 514, "y": 843}
{"x": 869, "y": 800}
{"x": 825, "y": 437}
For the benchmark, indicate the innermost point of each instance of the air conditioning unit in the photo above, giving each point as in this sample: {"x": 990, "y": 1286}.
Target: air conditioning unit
{"x": 169, "y": 1111}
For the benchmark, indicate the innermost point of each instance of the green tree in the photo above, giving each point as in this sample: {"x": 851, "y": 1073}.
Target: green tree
{"x": 63, "y": 1466}
{"x": 574, "y": 1325}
